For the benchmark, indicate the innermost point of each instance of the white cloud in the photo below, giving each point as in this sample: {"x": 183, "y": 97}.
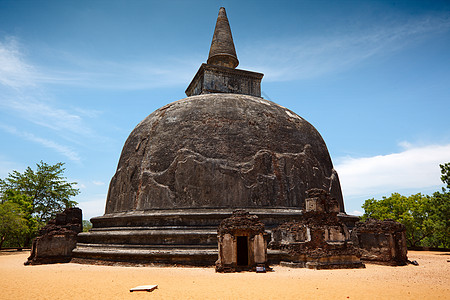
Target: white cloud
{"x": 18, "y": 73}
{"x": 356, "y": 213}
{"x": 94, "y": 207}
{"x": 22, "y": 93}
{"x": 98, "y": 182}
{"x": 61, "y": 149}
{"x": 41, "y": 113}
{"x": 79, "y": 185}
{"x": 405, "y": 145}
{"x": 306, "y": 58}
{"x": 64, "y": 150}
{"x": 15, "y": 72}
{"x": 127, "y": 75}
{"x": 415, "y": 168}
{"x": 23, "y": 96}
{"x": 121, "y": 75}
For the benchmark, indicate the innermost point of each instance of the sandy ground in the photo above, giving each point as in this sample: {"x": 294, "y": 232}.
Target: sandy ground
{"x": 429, "y": 280}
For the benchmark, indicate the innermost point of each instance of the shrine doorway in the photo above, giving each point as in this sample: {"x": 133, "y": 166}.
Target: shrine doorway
{"x": 242, "y": 250}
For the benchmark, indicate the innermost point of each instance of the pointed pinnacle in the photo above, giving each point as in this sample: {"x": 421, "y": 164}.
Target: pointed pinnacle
{"x": 222, "y": 52}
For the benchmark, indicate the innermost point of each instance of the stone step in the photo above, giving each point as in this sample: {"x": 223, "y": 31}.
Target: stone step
{"x": 192, "y": 217}
{"x": 144, "y": 252}
{"x": 151, "y": 247}
{"x": 150, "y": 237}
{"x": 153, "y": 231}
{"x": 209, "y": 228}
{"x": 195, "y": 255}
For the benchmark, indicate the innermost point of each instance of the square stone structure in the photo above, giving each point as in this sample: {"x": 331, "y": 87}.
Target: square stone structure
{"x": 217, "y": 79}
{"x": 242, "y": 244}
{"x": 381, "y": 242}
{"x": 318, "y": 240}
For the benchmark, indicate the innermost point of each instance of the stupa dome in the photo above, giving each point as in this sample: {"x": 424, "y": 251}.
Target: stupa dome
{"x": 221, "y": 151}
{"x": 222, "y": 147}
{"x": 191, "y": 163}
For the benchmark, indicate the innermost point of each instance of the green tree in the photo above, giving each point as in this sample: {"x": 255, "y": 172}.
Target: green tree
{"x": 87, "y": 225}
{"x": 40, "y": 194}
{"x": 413, "y": 212}
{"x": 440, "y": 218}
{"x": 12, "y": 222}
{"x": 26, "y": 208}
{"x": 426, "y": 218}
{"x": 441, "y": 212}
{"x": 445, "y": 174}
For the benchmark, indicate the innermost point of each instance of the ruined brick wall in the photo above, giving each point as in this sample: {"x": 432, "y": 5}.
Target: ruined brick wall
{"x": 382, "y": 242}
{"x": 318, "y": 239}
{"x": 57, "y": 239}
{"x": 241, "y": 220}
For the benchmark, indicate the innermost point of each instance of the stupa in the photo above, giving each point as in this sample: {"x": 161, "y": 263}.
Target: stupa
{"x": 190, "y": 164}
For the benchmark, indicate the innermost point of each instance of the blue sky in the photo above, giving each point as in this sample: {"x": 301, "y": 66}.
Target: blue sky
{"x": 372, "y": 76}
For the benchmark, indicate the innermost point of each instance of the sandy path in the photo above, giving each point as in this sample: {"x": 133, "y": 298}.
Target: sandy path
{"x": 429, "y": 280}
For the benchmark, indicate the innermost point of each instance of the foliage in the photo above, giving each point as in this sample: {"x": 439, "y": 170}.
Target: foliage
{"x": 445, "y": 171}
{"x": 26, "y": 208}
{"x": 426, "y": 218}
{"x": 12, "y": 222}
{"x": 40, "y": 194}
{"x": 412, "y": 211}
{"x": 441, "y": 212}
{"x": 440, "y": 207}
{"x": 87, "y": 225}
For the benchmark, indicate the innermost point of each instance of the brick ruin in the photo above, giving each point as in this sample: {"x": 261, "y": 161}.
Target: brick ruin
{"x": 318, "y": 240}
{"x": 381, "y": 242}
{"x": 242, "y": 243}
{"x": 57, "y": 239}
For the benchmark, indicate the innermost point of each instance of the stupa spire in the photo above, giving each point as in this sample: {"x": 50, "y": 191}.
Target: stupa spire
{"x": 222, "y": 52}
{"x": 219, "y": 74}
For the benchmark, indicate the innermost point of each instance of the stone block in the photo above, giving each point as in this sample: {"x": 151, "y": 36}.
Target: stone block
{"x": 227, "y": 249}
{"x": 57, "y": 239}
{"x": 218, "y": 79}
{"x": 381, "y": 242}
{"x": 260, "y": 249}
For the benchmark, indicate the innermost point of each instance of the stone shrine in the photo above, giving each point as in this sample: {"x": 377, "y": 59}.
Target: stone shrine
{"x": 242, "y": 244}
{"x": 191, "y": 163}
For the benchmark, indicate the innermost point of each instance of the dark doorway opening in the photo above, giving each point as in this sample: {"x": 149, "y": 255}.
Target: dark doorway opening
{"x": 242, "y": 251}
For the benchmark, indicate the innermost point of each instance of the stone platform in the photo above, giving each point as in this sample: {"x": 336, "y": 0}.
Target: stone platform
{"x": 187, "y": 236}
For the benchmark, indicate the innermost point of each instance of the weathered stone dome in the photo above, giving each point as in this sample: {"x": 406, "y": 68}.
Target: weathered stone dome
{"x": 221, "y": 151}
{"x": 190, "y": 164}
